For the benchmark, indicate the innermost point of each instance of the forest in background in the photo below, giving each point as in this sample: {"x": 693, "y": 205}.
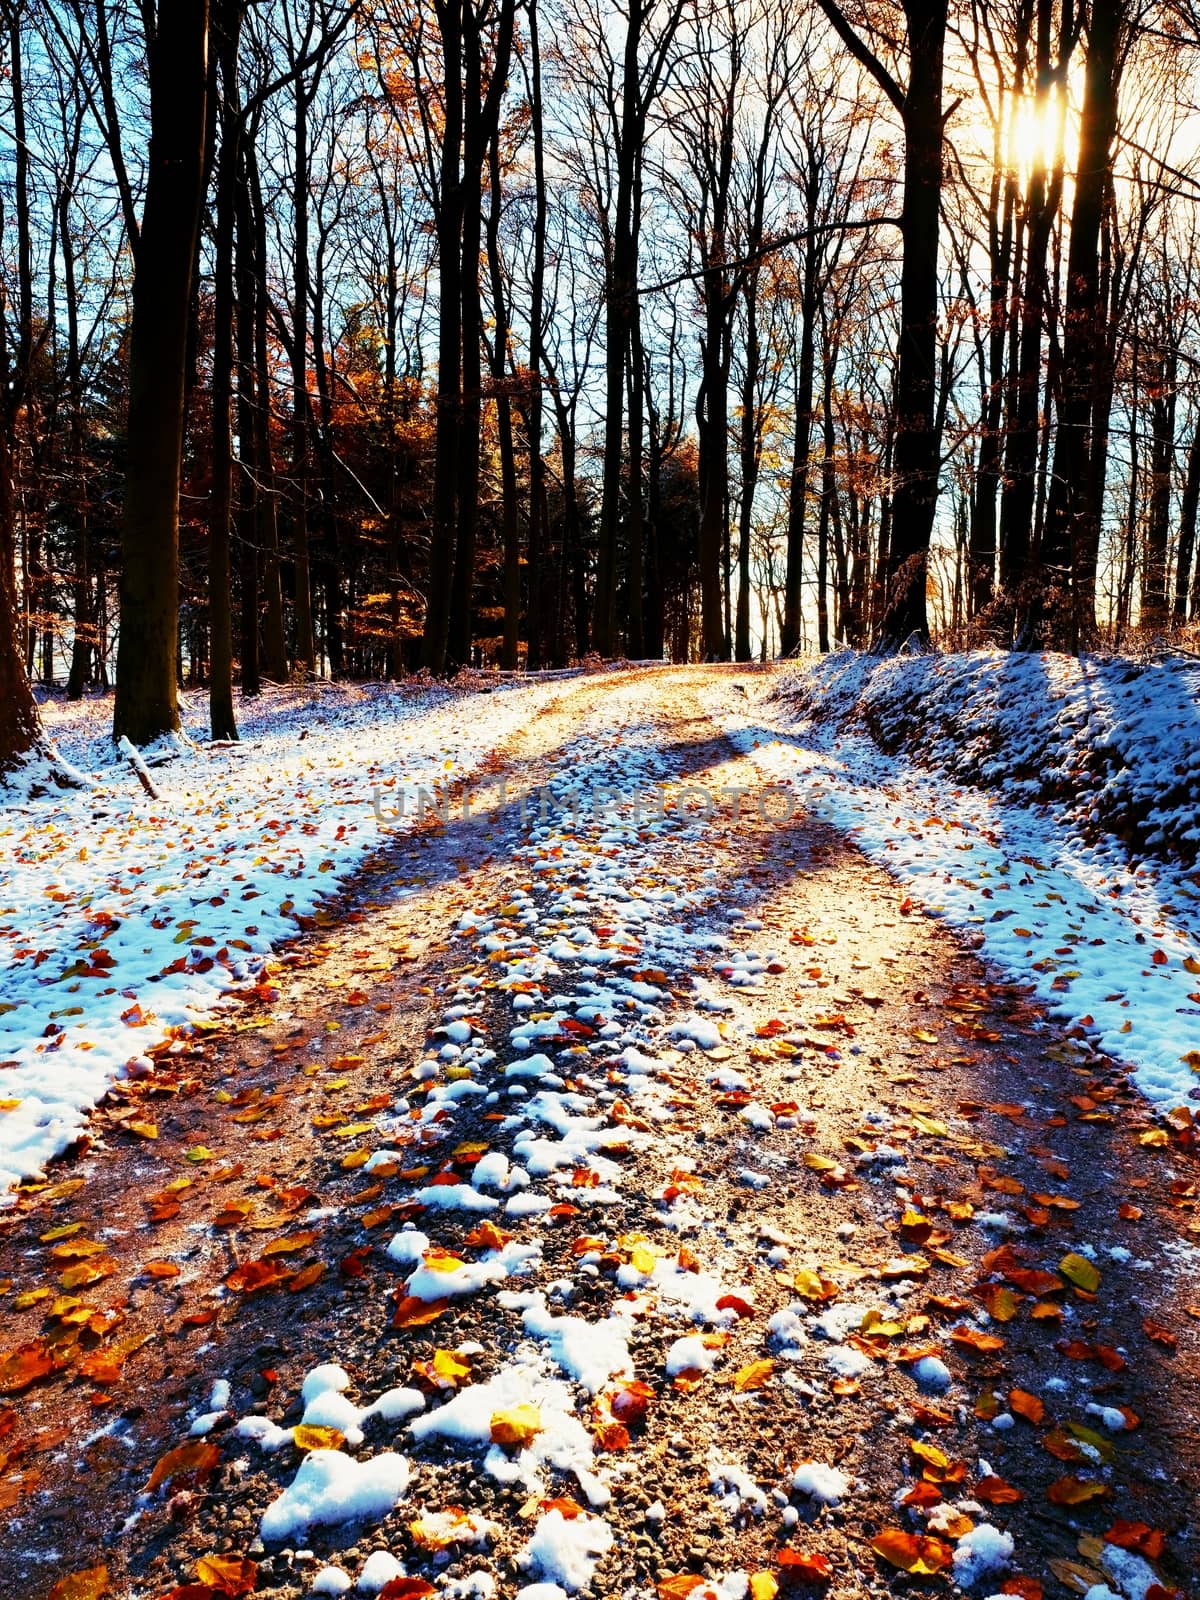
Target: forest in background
{"x": 356, "y": 338}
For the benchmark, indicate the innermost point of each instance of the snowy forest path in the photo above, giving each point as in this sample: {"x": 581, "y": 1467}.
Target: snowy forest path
{"x": 815, "y": 1182}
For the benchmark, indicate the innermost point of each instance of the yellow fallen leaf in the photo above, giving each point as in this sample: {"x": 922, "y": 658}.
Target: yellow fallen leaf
{"x": 753, "y": 1376}
{"x": 519, "y": 1425}
{"x": 1080, "y": 1271}
{"x": 643, "y": 1259}
{"x": 308, "y": 1436}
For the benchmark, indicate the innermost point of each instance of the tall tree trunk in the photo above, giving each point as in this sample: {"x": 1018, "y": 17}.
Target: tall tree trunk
{"x": 1065, "y": 610}
{"x": 828, "y": 493}
{"x": 537, "y": 313}
{"x": 306, "y": 650}
{"x": 227, "y": 29}
{"x": 449, "y": 381}
{"x": 798, "y": 485}
{"x": 1162, "y": 460}
{"x": 748, "y": 453}
{"x": 83, "y": 640}
{"x": 983, "y": 545}
{"x": 248, "y": 511}
{"x": 915, "y": 462}
{"x": 266, "y": 520}
{"x": 504, "y": 428}
{"x": 620, "y": 291}
{"x": 637, "y": 422}
{"x": 1187, "y": 529}
{"x": 20, "y": 726}
{"x": 146, "y": 701}
{"x": 462, "y": 587}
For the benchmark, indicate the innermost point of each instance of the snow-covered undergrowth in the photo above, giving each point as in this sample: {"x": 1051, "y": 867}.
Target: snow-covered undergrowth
{"x": 1036, "y": 802}
{"x": 123, "y": 917}
{"x": 1113, "y": 742}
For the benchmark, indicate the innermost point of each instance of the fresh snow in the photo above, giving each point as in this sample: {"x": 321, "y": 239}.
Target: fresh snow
{"x": 331, "y": 1487}
{"x": 124, "y": 918}
{"x": 1104, "y": 938}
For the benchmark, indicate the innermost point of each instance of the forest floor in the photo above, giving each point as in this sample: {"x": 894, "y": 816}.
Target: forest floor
{"x": 624, "y": 1202}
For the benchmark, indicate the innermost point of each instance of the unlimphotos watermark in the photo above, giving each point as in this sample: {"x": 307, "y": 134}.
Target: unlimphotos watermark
{"x": 574, "y": 806}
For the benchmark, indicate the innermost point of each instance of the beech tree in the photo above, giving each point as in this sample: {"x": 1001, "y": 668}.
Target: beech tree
{"x": 147, "y": 703}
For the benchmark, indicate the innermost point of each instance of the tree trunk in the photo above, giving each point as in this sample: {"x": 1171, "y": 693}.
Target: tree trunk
{"x": 1064, "y": 612}
{"x": 537, "y": 470}
{"x": 827, "y": 508}
{"x": 83, "y": 641}
{"x": 306, "y": 650}
{"x": 458, "y": 639}
{"x": 449, "y": 382}
{"x": 248, "y": 512}
{"x": 635, "y": 643}
{"x": 504, "y": 430}
{"x": 1187, "y": 529}
{"x": 749, "y": 469}
{"x": 915, "y": 451}
{"x": 1162, "y": 459}
{"x": 798, "y": 486}
{"x": 146, "y": 701}
{"x": 266, "y": 519}
{"x": 227, "y": 29}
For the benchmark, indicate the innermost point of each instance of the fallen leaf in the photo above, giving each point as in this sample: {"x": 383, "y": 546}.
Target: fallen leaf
{"x": 1081, "y": 1272}
{"x": 519, "y": 1426}
{"x": 412, "y": 1312}
{"x": 996, "y": 1492}
{"x": 912, "y": 1552}
{"x": 309, "y": 1436}
{"x": 194, "y": 1461}
{"x": 1137, "y": 1536}
{"x": 228, "y": 1575}
{"x": 753, "y": 1376}
{"x": 1027, "y": 1405}
{"x": 89, "y": 1584}
{"x": 1074, "y": 1491}
{"x": 805, "y": 1566}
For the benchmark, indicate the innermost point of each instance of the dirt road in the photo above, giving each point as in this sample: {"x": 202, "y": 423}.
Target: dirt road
{"x": 729, "y": 1162}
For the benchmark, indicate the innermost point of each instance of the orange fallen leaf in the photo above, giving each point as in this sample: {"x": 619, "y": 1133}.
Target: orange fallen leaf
{"x": 24, "y": 1366}
{"x": 1027, "y": 1405}
{"x": 996, "y": 1492}
{"x": 912, "y": 1552}
{"x": 679, "y": 1587}
{"x": 805, "y": 1566}
{"x": 252, "y": 1277}
{"x": 1138, "y": 1537}
{"x": 228, "y": 1575}
{"x": 1074, "y": 1491}
{"x": 89, "y": 1584}
{"x": 412, "y": 1312}
{"x": 194, "y": 1461}
{"x": 972, "y": 1339}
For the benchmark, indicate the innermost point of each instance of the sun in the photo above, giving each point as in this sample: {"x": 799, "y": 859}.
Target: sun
{"x": 1035, "y": 133}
